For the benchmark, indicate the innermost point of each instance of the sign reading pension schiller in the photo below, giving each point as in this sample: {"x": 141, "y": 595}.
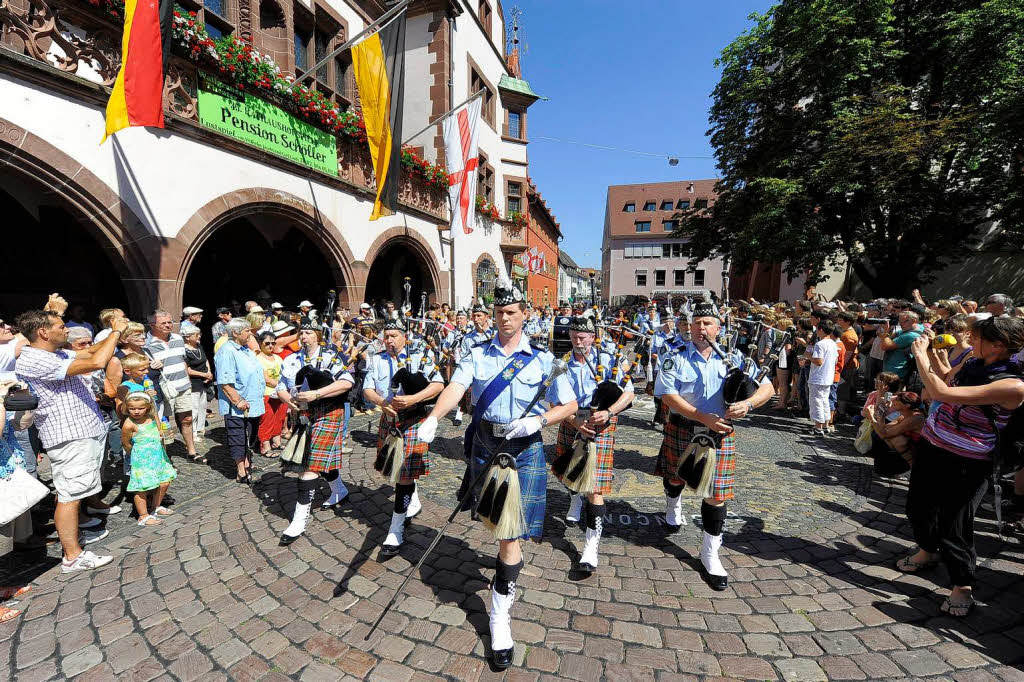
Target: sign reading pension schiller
{"x": 257, "y": 122}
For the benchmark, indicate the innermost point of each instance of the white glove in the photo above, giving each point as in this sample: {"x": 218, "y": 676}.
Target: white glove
{"x": 520, "y": 428}
{"x": 427, "y": 430}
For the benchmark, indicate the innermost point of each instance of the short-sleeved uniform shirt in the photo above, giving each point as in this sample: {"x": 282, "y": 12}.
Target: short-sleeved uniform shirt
{"x": 332, "y": 362}
{"x": 696, "y": 380}
{"x": 582, "y": 375}
{"x": 384, "y": 366}
{"x": 474, "y": 337}
{"x": 487, "y": 358}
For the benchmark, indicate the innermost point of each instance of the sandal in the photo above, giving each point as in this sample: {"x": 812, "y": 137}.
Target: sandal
{"x": 149, "y": 520}
{"x": 7, "y": 614}
{"x": 957, "y": 609}
{"x": 12, "y": 592}
{"x": 197, "y": 458}
{"x": 908, "y": 565}
{"x": 163, "y": 511}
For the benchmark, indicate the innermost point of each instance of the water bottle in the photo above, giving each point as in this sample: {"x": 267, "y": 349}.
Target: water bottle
{"x": 165, "y": 426}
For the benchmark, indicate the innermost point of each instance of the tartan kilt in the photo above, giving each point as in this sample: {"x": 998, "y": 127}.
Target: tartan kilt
{"x": 417, "y": 459}
{"x": 533, "y": 476}
{"x": 326, "y": 436}
{"x": 677, "y": 438}
{"x": 605, "y": 442}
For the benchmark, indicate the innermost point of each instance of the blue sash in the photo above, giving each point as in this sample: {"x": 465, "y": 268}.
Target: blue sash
{"x": 492, "y": 391}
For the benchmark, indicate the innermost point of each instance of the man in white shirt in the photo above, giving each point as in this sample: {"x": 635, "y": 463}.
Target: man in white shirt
{"x": 823, "y": 360}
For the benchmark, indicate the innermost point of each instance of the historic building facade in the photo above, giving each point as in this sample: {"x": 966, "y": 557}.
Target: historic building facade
{"x": 198, "y": 214}
{"x": 640, "y": 259}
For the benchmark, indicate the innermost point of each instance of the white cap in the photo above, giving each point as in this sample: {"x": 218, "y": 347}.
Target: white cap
{"x": 305, "y": 304}
{"x": 364, "y": 306}
{"x": 190, "y": 310}
{"x": 256, "y": 309}
{"x": 276, "y": 306}
{"x": 281, "y": 327}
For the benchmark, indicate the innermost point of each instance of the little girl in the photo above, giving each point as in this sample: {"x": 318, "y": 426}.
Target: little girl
{"x": 151, "y": 469}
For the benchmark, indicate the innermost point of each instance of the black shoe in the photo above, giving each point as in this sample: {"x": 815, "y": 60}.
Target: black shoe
{"x": 288, "y": 539}
{"x": 715, "y": 582}
{"x": 503, "y": 659}
{"x": 390, "y": 550}
{"x": 672, "y": 529}
{"x": 586, "y": 569}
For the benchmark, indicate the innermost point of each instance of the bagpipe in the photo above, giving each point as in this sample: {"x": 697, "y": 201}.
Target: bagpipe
{"x": 315, "y": 376}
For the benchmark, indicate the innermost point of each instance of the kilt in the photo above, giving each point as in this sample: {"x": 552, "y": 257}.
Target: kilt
{"x": 326, "y": 436}
{"x": 677, "y": 438}
{"x": 605, "y": 442}
{"x": 417, "y": 460}
{"x": 533, "y": 475}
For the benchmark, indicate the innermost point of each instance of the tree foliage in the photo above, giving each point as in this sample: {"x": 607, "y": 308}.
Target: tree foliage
{"x": 889, "y": 132}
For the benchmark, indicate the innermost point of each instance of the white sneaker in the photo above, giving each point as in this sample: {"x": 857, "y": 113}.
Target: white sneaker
{"x": 107, "y": 511}
{"x": 674, "y": 511}
{"x": 90, "y": 523}
{"x": 414, "y": 504}
{"x": 575, "y": 508}
{"x": 87, "y": 537}
{"x": 86, "y": 561}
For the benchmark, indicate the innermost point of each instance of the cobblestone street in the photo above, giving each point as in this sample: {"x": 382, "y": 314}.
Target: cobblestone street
{"x": 810, "y": 549}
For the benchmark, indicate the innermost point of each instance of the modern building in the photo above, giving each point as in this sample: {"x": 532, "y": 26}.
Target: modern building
{"x": 640, "y": 257}
{"x": 573, "y": 283}
{"x": 205, "y": 211}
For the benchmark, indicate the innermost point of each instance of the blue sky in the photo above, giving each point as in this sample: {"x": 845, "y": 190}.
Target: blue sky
{"x": 638, "y": 79}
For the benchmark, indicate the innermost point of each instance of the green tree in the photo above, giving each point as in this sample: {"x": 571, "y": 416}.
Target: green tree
{"x": 889, "y": 132}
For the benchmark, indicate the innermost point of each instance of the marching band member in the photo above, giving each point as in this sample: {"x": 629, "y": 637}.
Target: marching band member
{"x": 316, "y": 379}
{"x": 666, "y": 341}
{"x": 506, "y": 374}
{"x": 690, "y": 385}
{"x": 590, "y": 368}
{"x": 392, "y": 376}
{"x": 452, "y": 346}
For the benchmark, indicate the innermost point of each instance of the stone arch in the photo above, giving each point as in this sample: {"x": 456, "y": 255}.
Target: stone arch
{"x": 240, "y": 203}
{"x": 134, "y": 250}
{"x": 419, "y": 245}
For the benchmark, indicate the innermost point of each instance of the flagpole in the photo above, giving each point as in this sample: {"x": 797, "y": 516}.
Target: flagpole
{"x": 373, "y": 25}
{"x": 443, "y": 116}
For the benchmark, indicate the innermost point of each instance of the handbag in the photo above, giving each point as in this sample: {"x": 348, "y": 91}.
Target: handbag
{"x": 862, "y": 443}
{"x": 21, "y": 401}
{"x": 18, "y": 494}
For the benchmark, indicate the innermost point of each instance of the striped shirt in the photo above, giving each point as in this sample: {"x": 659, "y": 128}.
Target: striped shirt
{"x": 172, "y": 354}
{"x": 67, "y": 410}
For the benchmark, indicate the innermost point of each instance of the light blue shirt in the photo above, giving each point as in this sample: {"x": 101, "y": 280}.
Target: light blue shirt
{"x": 384, "y": 366}
{"x": 545, "y": 324}
{"x": 331, "y": 363}
{"x": 455, "y": 335}
{"x": 647, "y": 326}
{"x": 474, "y": 337}
{"x": 582, "y": 379}
{"x": 486, "y": 360}
{"x": 239, "y": 368}
{"x": 532, "y": 326}
{"x": 697, "y": 381}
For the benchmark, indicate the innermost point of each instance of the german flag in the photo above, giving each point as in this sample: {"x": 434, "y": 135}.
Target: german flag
{"x": 379, "y": 63}
{"x": 137, "y": 98}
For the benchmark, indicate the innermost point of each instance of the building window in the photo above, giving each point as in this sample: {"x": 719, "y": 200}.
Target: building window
{"x": 698, "y": 278}
{"x": 515, "y": 124}
{"x": 301, "y": 50}
{"x": 649, "y": 206}
{"x": 683, "y": 204}
{"x": 641, "y": 278}
{"x": 642, "y": 250}
{"x": 215, "y": 16}
{"x": 271, "y": 18}
{"x": 514, "y": 198}
{"x": 700, "y": 203}
{"x": 215, "y": 32}
{"x": 629, "y": 208}
{"x": 321, "y": 46}
{"x": 666, "y": 205}
{"x": 342, "y": 73}
{"x": 485, "y": 275}
{"x": 476, "y": 84}
{"x": 485, "y": 180}
{"x": 485, "y": 17}
{"x": 659, "y": 278}
{"x": 680, "y": 277}
{"x": 670, "y": 225}
{"x": 643, "y": 226}
{"x": 666, "y": 250}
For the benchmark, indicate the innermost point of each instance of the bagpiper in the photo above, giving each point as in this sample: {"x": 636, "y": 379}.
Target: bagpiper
{"x": 584, "y": 454}
{"x": 316, "y": 378}
{"x": 403, "y": 381}
{"x": 699, "y": 446}
{"x": 507, "y": 375}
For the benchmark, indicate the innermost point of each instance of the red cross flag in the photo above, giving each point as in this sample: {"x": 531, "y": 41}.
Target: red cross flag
{"x": 460, "y": 149}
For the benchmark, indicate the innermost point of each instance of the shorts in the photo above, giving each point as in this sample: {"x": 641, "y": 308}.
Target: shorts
{"x": 818, "y": 395}
{"x": 76, "y": 467}
{"x": 182, "y": 403}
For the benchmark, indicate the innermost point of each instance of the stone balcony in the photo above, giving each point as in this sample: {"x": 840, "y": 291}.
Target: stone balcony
{"x": 73, "y": 47}
{"x": 513, "y": 237}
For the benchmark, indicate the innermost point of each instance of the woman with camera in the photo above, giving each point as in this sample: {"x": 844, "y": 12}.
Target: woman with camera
{"x": 954, "y": 461}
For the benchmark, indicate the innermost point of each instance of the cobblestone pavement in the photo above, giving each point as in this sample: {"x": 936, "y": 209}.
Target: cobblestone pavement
{"x": 812, "y": 596}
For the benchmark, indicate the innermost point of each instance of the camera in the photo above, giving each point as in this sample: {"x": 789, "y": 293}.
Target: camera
{"x": 943, "y": 341}
{"x": 876, "y": 320}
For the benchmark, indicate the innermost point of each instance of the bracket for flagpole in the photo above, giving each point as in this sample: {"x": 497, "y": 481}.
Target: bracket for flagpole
{"x": 442, "y": 117}
{"x": 374, "y": 25}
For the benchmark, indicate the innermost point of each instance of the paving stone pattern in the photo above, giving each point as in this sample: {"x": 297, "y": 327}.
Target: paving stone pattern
{"x": 813, "y": 596}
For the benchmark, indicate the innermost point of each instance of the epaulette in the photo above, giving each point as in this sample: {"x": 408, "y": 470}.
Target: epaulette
{"x": 481, "y": 344}
{"x": 537, "y": 345}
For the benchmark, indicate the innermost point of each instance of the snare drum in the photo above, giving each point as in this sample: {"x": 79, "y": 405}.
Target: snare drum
{"x": 560, "y": 342}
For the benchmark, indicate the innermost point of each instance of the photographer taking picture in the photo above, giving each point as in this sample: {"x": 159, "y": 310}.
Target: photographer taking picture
{"x": 955, "y": 458}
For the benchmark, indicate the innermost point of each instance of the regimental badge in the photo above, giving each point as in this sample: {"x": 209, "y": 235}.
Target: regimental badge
{"x": 667, "y": 365}
{"x": 508, "y": 373}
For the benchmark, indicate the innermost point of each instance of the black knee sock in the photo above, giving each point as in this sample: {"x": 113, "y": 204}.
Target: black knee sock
{"x": 403, "y": 494}
{"x": 331, "y": 475}
{"x": 713, "y": 518}
{"x": 671, "y": 490}
{"x": 306, "y": 488}
{"x": 505, "y": 575}
{"x": 595, "y": 512}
